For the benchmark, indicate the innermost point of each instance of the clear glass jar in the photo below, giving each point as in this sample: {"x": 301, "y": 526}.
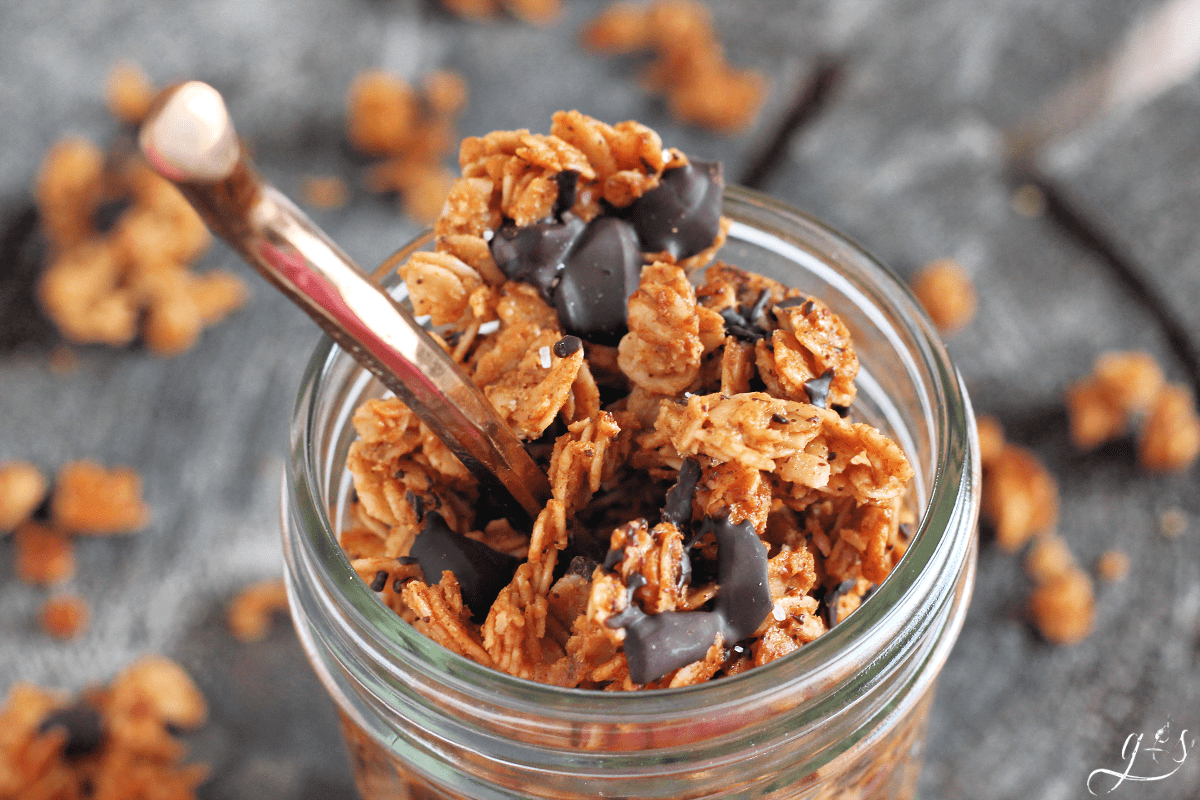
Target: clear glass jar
{"x": 843, "y": 716}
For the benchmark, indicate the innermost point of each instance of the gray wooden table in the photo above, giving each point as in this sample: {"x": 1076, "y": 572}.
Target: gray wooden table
{"x": 902, "y": 144}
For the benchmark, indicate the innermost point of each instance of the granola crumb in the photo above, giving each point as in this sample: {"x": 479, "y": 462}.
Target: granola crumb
{"x": 536, "y": 12}
{"x": 1113, "y": 566}
{"x": 43, "y": 555}
{"x": 947, "y": 293}
{"x": 22, "y": 489}
{"x": 1122, "y": 386}
{"x": 1170, "y": 437}
{"x": 1048, "y": 558}
{"x": 1173, "y": 523}
{"x": 701, "y": 87}
{"x": 89, "y": 499}
{"x": 1063, "y": 607}
{"x": 250, "y": 613}
{"x": 1020, "y": 496}
{"x": 128, "y": 92}
{"x": 325, "y": 191}
{"x": 65, "y": 616}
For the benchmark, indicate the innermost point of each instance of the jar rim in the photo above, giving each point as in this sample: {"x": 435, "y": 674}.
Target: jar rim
{"x": 393, "y": 641}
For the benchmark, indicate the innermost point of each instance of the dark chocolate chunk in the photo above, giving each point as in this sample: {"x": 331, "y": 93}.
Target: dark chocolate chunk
{"x": 656, "y": 644}
{"x": 779, "y": 418}
{"x": 407, "y": 561}
{"x": 567, "y": 346}
{"x": 568, "y": 183}
{"x": 737, "y": 325}
{"x": 842, "y": 411}
{"x": 788, "y": 302}
{"x": 535, "y": 253}
{"x": 84, "y": 727}
{"x": 582, "y": 566}
{"x": 599, "y": 275}
{"x": 379, "y": 581}
{"x": 831, "y": 601}
{"x": 682, "y": 215}
{"x": 417, "y": 503}
{"x": 757, "y": 309}
{"x": 481, "y": 571}
{"x": 818, "y": 389}
{"x": 678, "y": 507}
{"x": 832, "y": 456}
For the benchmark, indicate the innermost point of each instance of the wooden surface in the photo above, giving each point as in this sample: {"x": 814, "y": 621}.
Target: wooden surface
{"x": 905, "y": 150}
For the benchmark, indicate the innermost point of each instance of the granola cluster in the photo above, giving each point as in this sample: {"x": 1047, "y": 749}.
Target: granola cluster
{"x": 715, "y": 504}
{"x": 538, "y": 12}
{"x": 116, "y": 742}
{"x": 690, "y": 70}
{"x": 410, "y": 130}
{"x": 85, "y": 500}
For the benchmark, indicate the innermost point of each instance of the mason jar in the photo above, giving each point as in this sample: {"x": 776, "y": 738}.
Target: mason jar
{"x": 843, "y": 716}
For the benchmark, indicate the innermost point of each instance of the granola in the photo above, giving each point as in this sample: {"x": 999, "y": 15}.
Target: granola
{"x": 716, "y": 504}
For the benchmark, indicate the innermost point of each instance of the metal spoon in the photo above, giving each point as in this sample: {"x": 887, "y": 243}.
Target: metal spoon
{"x": 189, "y": 139}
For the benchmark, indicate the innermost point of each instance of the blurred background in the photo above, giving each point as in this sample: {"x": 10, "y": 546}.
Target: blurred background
{"x": 1048, "y": 147}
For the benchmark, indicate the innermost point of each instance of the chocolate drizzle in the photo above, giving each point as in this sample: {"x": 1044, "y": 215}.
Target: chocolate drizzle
{"x": 656, "y": 644}
{"x": 84, "y": 727}
{"x": 567, "y": 346}
{"x": 678, "y": 507}
{"x": 481, "y": 571}
{"x": 588, "y": 272}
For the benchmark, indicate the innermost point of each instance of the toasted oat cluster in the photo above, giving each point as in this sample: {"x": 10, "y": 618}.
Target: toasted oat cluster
{"x": 690, "y": 71}
{"x": 116, "y": 742}
{"x": 410, "y": 129}
{"x": 715, "y": 505}
{"x": 121, "y": 241}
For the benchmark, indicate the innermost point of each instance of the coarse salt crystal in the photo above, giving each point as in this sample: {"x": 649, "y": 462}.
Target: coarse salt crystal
{"x": 544, "y": 352}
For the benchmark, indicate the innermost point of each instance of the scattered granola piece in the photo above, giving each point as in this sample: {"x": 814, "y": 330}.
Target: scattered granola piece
{"x": 991, "y": 439}
{"x": 947, "y": 293}
{"x": 325, "y": 191}
{"x": 1173, "y": 523}
{"x": 90, "y": 499}
{"x": 161, "y": 687}
{"x": 1113, "y": 566}
{"x": 249, "y": 614}
{"x": 1020, "y": 496}
{"x": 22, "y": 489}
{"x": 65, "y": 616}
{"x": 121, "y": 241}
{"x": 129, "y": 92}
{"x": 1170, "y": 437}
{"x": 43, "y": 555}
{"x": 1048, "y": 558}
{"x": 1063, "y": 607}
{"x": 1122, "y": 385}
{"x": 700, "y": 86}
{"x": 411, "y": 130}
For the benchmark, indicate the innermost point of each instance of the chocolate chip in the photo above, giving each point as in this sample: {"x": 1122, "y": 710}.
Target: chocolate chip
{"x": 417, "y": 503}
{"x": 842, "y": 411}
{"x": 84, "y": 727}
{"x": 678, "y": 507}
{"x": 818, "y": 389}
{"x": 682, "y": 215}
{"x": 535, "y": 253}
{"x": 779, "y": 419}
{"x": 789, "y": 302}
{"x": 757, "y": 309}
{"x": 568, "y": 182}
{"x": 481, "y": 571}
{"x": 832, "y": 456}
{"x": 831, "y": 601}
{"x": 567, "y": 346}
{"x": 407, "y": 561}
{"x": 379, "y": 581}
{"x": 599, "y": 275}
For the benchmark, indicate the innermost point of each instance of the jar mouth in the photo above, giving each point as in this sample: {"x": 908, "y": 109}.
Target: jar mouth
{"x": 835, "y": 656}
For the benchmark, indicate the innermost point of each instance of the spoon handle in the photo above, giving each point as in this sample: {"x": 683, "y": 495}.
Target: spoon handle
{"x": 189, "y": 139}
